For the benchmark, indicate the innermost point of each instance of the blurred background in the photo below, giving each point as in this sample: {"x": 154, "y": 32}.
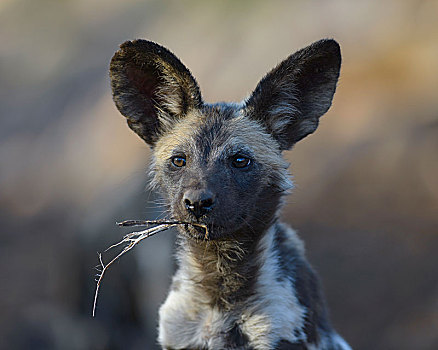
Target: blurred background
{"x": 366, "y": 196}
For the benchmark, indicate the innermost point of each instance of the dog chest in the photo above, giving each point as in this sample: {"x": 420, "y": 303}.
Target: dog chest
{"x": 273, "y": 313}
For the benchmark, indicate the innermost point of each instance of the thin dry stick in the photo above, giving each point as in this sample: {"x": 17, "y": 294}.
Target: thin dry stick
{"x": 133, "y": 238}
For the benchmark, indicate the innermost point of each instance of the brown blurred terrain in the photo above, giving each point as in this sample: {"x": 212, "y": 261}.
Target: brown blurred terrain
{"x": 366, "y": 196}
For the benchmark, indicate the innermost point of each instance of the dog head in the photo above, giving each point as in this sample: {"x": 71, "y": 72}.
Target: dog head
{"x": 221, "y": 164}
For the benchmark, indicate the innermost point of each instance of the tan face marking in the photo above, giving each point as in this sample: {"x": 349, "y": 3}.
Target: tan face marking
{"x": 242, "y": 134}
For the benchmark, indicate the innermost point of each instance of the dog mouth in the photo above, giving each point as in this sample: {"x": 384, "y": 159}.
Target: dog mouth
{"x": 209, "y": 227}
{"x": 206, "y": 228}
{"x": 202, "y": 231}
{"x": 197, "y": 231}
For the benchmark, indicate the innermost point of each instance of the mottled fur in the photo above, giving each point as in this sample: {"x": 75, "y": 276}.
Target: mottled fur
{"x": 247, "y": 284}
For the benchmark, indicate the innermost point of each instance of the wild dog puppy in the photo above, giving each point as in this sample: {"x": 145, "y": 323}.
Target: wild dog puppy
{"x": 245, "y": 282}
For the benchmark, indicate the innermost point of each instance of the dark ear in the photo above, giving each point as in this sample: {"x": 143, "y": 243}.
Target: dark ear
{"x": 151, "y": 87}
{"x": 289, "y": 100}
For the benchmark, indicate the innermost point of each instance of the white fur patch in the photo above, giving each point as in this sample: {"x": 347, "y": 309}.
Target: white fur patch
{"x": 186, "y": 323}
{"x": 274, "y": 312}
{"x": 339, "y": 341}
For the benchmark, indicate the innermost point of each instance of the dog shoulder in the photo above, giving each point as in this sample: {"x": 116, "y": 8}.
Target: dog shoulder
{"x": 275, "y": 312}
{"x": 287, "y": 306}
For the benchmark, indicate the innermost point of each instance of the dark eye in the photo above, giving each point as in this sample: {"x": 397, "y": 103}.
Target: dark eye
{"x": 179, "y": 161}
{"x": 239, "y": 161}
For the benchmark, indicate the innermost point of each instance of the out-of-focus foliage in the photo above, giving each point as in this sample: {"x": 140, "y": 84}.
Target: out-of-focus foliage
{"x": 366, "y": 196}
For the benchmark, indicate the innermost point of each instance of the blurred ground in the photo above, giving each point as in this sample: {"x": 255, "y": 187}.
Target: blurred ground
{"x": 366, "y": 196}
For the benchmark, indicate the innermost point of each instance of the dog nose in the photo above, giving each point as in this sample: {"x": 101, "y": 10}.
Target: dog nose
{"x": 198, "y": 202}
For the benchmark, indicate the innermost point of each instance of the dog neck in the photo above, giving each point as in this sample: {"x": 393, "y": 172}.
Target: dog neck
{"x": 223, "y": 272}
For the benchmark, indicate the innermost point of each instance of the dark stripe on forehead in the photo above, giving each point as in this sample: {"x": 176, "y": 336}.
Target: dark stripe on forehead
{"x": 212, "y": 131}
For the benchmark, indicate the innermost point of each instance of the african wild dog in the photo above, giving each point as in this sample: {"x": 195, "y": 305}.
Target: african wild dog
{"x": 247, "y": 284}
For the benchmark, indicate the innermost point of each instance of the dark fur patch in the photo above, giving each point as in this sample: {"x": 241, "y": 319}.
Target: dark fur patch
{"x": 287, "y": 345}
{"x": 235, "y": 339}
{"x": 213, "y": 132}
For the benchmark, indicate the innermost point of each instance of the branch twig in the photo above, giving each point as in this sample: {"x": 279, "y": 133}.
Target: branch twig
{"x": 132, "y": 239}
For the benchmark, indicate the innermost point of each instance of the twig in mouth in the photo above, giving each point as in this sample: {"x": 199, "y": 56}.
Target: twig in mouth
{"x": 158, "y": 222}
{"x": 133, "y": 238}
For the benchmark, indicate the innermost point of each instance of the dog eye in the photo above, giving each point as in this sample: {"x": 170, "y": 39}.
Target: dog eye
{"x": 239, "y": 161}
{"x": 179, "y": 161}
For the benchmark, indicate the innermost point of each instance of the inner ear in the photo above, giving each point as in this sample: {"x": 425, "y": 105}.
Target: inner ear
{"x": 136, "y": 100}
{"x": 144, "y": 80}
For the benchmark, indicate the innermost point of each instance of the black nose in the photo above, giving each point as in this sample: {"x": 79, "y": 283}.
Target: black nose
{"x": 198, "y": 202}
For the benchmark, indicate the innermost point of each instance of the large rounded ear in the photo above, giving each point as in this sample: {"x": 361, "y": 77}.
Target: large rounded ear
{"x": 151, "y": 88}
{"x": 289, "y": 100}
